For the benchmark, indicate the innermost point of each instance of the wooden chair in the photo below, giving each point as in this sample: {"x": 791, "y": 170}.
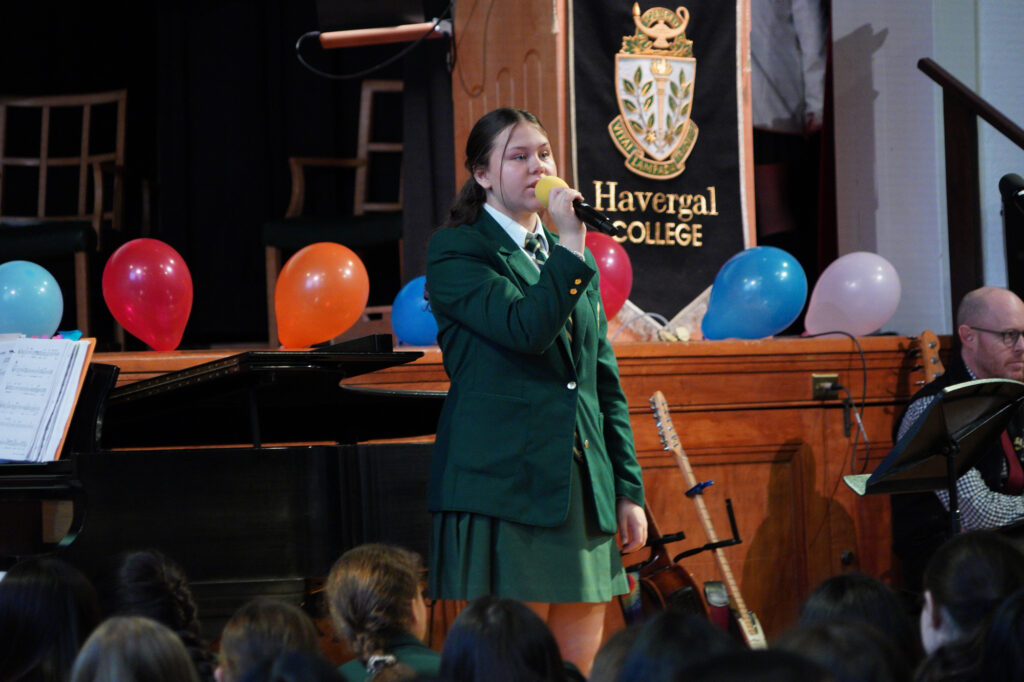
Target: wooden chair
{"x": 372, "y": 223}
{"x": 57, "y": 195}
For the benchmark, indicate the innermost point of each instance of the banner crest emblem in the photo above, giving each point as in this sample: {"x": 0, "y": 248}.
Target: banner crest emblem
{"x": 654, "y": 74}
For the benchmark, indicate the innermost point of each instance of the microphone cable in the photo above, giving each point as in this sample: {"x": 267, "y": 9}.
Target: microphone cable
{"x": 377, "y": 67}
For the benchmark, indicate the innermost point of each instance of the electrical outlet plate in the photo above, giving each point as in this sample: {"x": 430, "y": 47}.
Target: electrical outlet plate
{"x": 822, "y": 386}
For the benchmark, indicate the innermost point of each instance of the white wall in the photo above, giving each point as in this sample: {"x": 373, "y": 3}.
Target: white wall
{"x": 890, "y": 169}
{"x": 1001, "y": 82}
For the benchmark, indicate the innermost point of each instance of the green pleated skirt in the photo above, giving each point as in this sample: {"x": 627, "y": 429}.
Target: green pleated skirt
{"x": 474, "y": 555}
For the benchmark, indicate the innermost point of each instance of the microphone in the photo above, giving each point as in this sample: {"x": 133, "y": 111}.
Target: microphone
{"x": 589, "y": 215}
{"x": 1011, "y": 186}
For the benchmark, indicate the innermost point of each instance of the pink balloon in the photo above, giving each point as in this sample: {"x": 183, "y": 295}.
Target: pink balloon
{"x": 856, "y": 294}
{"x": 615, "y": 269}
{"x": 148, "y": 289}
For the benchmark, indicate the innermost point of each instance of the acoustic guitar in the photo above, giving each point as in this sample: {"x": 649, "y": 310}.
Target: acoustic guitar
{"x": 658, "y": 583}
{"x": 749, "y": 626}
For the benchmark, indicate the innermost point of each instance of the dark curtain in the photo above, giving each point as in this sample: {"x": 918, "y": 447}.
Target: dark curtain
{"x": 217, "y": 102}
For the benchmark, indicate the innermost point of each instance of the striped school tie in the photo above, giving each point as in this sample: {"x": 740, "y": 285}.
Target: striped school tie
{"x": 533, "y": 246}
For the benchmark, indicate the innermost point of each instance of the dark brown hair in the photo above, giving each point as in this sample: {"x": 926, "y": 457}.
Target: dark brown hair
{"x": 133, "y": 648}
{"x": 262, "y": 629}
{"x": 479, "y": 145}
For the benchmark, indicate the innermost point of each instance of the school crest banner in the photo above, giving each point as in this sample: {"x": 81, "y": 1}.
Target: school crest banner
{"x": 657, "y": 122}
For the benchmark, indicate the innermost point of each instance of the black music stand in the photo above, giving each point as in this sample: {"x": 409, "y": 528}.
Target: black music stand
{"x": 945, "y": 441}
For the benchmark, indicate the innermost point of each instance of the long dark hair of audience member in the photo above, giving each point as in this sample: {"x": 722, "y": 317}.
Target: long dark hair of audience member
{"x": 965, "y": 581}
{"x": 763, "y": 665}
{"x": 865, "y": 599}
{"x": 371, "y": 592}
{"x": 669, "y": 643}
{"x": 1003, "y": 654}
{"x": 147, "y": 583}
{"x": 47, "y": 610}
{"x": 133, "y": 649}
{"x": 851, "y": 651}
{"x": 500, "y": 640}
{"x": 261, "y": 630}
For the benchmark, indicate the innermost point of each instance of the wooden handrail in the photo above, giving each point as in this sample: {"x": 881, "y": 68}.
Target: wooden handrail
{"x": 961, "y": 108}
{"x": 980, "y": 106}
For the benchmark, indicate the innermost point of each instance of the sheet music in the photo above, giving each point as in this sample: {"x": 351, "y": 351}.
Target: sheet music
{"x": 38, "y": 387}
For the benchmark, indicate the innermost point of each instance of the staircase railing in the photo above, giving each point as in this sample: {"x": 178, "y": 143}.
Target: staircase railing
{"x": 961, "y": 108}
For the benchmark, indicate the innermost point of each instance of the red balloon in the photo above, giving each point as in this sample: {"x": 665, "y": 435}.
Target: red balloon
{"x": 615, "y": 269}
{"x": 321, "y": 292}
{"x": 148, "y": 289}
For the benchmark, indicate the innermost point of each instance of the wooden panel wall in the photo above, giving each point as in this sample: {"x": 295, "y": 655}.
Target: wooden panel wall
{"x": 511, "y": 54}
{"x": 745, "y": 415}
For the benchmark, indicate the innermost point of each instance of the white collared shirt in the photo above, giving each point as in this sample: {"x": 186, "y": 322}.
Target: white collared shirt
{"x": 517, "y": 232}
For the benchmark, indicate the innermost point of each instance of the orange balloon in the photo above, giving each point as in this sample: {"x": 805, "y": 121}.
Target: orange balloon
{"x": 321, "y": 292}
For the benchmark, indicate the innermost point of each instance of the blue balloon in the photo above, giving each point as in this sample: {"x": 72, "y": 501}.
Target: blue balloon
{"x": 411, "y": 319}
{"x": 30, "y": 300}
{"x": 757, "y": 293}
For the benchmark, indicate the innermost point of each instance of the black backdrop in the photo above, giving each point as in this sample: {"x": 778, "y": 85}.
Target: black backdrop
{"x": 217, "y": 102}
{"x": 665, "y": 277}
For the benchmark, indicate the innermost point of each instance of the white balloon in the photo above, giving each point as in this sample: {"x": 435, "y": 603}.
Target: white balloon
{"x": 857, "y": 294}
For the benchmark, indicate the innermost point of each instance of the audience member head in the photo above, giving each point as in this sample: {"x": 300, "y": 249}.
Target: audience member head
{"x": 982, "y": 317}
{"x": 133, "y": 649}
{"x": 862, "y": 598}
{"x": 47, "y": 610}
{"x": 1003, "y": 653}
{"x": 146, "y": 583}
{"x": 500, "y": 640}
{"x": 294, "y": 666}
{"x": 851, "y": 651}
{"x": 374, "y": 596}
{"x": 761, "y": 665}
{"x": 261, "y": 630}
{"x": 669, "y": 643}
{"x": 612, "y": 654}
{"x": 964, "y": 582}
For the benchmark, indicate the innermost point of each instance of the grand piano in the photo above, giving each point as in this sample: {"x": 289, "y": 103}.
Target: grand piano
{"x": 254, "y": 472}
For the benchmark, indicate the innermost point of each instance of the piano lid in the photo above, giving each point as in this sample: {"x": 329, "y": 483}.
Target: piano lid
{"x": 261, "y": 397}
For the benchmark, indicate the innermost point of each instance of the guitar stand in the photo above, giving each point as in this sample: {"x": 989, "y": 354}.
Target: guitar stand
{"x": 734, "y": 540}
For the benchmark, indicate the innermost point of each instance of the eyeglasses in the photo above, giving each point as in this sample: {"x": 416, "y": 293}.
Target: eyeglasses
{"x": 1009, "y": 336}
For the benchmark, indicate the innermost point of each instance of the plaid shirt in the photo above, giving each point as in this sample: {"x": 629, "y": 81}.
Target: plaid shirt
{"x": 980, "y": 506}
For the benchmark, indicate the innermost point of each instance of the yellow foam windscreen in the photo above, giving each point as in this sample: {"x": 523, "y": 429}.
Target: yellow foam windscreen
{"x": 544, "y": 185}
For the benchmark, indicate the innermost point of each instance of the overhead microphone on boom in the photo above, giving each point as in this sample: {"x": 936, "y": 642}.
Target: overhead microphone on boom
{"x": 589, "y": 215}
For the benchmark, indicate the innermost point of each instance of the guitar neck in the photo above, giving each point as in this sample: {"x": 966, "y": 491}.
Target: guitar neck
{"x": 749, "y": 625}
{"x": 709, "y": 530}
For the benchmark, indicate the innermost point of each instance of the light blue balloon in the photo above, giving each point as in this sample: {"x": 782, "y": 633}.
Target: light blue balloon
{"x": 30, "y": 299}
{"x": 757, "y": 293}
{"x": 411, "y": 319}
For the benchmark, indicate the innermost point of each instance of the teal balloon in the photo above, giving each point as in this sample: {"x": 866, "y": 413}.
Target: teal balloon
{"x": 411, "y": 319}
{"x": 30, "y": 299}
{"x": 757, "y": 293}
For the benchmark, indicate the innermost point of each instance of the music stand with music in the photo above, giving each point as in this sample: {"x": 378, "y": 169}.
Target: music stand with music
{"x": 945, "y": 442}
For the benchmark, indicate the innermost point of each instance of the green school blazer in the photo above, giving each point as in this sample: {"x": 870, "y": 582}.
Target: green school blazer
{"x": 519, "y": 387}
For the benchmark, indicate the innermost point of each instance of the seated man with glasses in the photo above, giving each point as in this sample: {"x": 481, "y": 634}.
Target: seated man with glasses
{"x": 990, "y": 322}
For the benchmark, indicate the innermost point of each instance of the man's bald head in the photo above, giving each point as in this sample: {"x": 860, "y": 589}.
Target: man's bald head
{"x": 977, "y": 306}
